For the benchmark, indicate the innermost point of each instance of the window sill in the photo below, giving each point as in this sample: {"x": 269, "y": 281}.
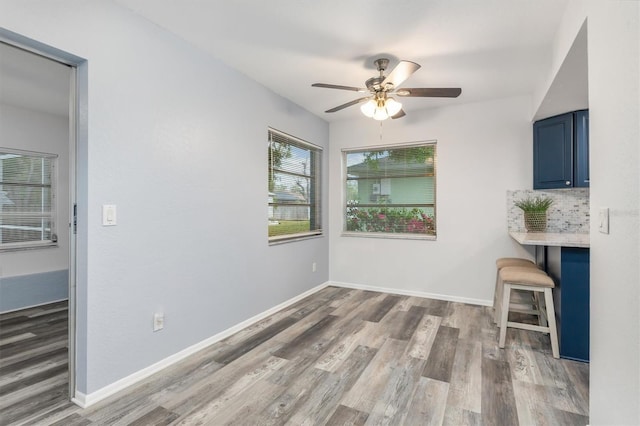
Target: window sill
{"x": 26, "y": 246}
{"x": 274, "y": 241}
{"x": 389, "y": 236}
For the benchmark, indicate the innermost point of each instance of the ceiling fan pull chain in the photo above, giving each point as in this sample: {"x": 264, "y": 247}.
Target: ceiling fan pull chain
{"x": 381, "y": 131}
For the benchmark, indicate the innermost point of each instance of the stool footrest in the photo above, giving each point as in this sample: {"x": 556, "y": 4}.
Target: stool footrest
{"x": 525, "y": 326}
{"x": 543, "y": 308}
{"x": 526, "y": 311}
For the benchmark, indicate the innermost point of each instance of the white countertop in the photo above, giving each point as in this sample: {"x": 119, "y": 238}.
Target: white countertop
{"x": 551, "y": 239}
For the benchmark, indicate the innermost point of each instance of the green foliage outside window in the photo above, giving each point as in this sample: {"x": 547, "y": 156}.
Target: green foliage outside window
{"x": 389, "y": 219}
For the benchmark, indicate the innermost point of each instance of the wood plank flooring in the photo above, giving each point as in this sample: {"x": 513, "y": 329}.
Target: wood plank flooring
{"x": 33, "y": 361}
{"x": 338, "y": 357}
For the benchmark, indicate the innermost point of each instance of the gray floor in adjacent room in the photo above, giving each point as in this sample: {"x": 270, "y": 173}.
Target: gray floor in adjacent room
{"x": 340, "y": 356}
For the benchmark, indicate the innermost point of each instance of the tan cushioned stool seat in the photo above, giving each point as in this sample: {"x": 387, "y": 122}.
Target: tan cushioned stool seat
{"x": 527, "y": 276}
{"x": 533, "y": 269}
{"x": 508, "y": 262}
{"x": 505, "y": 262}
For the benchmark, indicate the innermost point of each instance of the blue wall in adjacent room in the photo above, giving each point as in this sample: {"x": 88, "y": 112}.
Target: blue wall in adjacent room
{"x": 24, "y": 291}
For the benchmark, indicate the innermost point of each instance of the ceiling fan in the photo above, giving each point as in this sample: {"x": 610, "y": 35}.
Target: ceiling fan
{"x": 379, "y": 105}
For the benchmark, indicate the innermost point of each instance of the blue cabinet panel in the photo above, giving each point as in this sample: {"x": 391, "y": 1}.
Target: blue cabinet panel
{"x": 561, "y": 151}
{"x": 553, "y": 152}
{"x": 581, "y": 175}
{"x": 574, "y": 304}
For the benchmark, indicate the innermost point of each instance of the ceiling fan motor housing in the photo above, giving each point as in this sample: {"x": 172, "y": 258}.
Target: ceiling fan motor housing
{"x": 373, "y": 84}
{"x": 381, "y": 64}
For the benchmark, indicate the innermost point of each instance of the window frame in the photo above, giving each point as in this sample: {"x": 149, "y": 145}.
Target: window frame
{"x": 389, "y": 235}
{"x": 52, "y": 214}
{"x": 315, "y": 187}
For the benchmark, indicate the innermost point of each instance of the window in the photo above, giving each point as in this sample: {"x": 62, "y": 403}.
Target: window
{"x": 294, "y": 188}
{"x": 27, "y": 199}
{"x": 391, "y": 191}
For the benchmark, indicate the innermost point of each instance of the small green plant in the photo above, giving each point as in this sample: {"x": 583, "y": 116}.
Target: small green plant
{"x": 536, "y": 204}
{"x": 535, "y": 212}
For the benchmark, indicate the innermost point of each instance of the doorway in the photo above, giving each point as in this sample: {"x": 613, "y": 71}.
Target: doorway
{"x": 43, "y": 87}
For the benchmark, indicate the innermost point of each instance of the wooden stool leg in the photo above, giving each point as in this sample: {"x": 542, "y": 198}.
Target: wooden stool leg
{"x": 497, "y": 299}
{"x": 506, "y": 296}
{"x": 551, "y": 318}
{"x": 542, "y": 312}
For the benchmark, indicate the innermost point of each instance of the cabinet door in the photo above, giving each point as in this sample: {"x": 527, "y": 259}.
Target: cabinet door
{"x": 581, "y": 172}
{"x": 574, "y": 286}
{"x": 553, "y": 152}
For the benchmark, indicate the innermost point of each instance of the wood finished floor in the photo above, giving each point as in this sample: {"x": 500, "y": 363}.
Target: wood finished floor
{"x": 338, "y": 357}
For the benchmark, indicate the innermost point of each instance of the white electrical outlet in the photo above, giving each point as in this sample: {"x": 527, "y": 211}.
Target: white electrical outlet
{"x": 158, "y": 321}
{"x": 314, "y": 267}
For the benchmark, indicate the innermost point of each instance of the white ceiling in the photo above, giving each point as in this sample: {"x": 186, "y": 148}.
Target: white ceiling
{"x": 490, "y": 48}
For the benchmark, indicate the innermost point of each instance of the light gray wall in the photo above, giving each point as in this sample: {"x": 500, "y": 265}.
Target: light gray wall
{"x": 483, "y": 149}
{"x": 613, "y": 34}
{"x": 614, "y": 117}
{"x": 177, "y": 140}
{"x": 41, "y": 132}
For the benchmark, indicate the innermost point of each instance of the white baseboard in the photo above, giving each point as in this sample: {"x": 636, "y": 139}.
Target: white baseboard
{"x": 449, "y": 298}
{"x": 80, "y": 400}
{"x": 86, "y": 400}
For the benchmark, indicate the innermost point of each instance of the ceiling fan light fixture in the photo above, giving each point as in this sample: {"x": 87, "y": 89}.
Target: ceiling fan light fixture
{"x": 380, "y": 114}
{"x": 393, "y": 106}
{"x": 369, "y": 108}
{"x": 381, "y": 108}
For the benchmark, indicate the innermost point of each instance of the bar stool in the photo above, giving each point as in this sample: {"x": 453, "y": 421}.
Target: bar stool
{"x": 519, "y": 300}
{"x": 518, "y": 278}
{"x": 505, "y": 262}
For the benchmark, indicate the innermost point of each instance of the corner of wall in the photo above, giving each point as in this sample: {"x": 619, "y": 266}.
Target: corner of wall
{"x": 573, "y": 19}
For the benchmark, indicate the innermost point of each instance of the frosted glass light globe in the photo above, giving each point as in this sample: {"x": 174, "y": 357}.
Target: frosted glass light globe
{"x": 369, "y": 108}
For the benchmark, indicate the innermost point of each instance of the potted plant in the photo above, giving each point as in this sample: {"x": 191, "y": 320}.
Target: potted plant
{"x": 535, "y": 212}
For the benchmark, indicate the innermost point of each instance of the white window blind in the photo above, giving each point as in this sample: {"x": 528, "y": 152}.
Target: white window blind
{"x": 27, "y": 199}
{"x": 294, "y": 206}
{"x": 391, "y": 190}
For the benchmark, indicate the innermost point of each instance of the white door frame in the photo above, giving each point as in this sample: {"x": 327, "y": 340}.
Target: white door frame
{"x": 77, "y": 199}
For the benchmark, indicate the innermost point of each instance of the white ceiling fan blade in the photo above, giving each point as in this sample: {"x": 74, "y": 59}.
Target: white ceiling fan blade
{"x": 400, "y": 73}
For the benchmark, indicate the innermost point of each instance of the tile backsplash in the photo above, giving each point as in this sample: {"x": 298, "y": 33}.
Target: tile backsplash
{"x": 569, "y": 212}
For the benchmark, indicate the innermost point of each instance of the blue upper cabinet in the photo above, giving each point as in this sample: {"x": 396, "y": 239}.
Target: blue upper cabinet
{"x": 561, "y": 151}
{"x": 553, "y": 152}
{"x": 581, "y": 166}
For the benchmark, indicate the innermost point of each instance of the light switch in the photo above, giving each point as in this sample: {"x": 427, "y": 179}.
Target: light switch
{"x": 603, "y": 220}
{"x": 108, "y": 215}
